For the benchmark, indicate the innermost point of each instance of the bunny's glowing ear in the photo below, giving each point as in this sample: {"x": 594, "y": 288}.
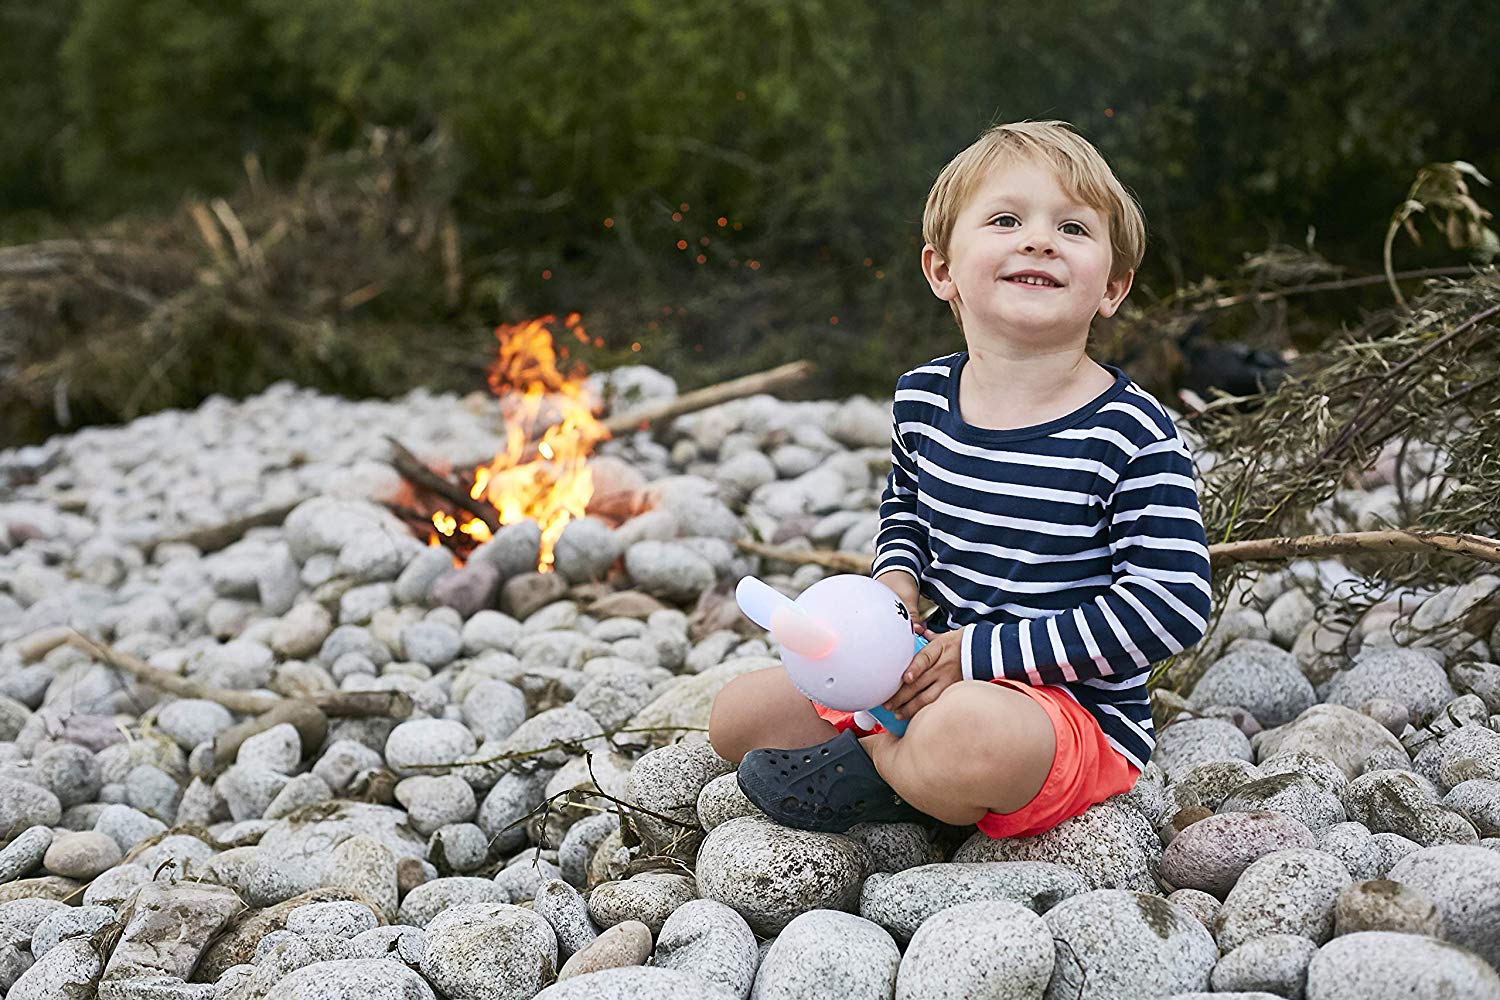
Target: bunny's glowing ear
{"x": 759, "y": 600}
{"x": 788, "y": 624}
{"x": 803, "y": 634}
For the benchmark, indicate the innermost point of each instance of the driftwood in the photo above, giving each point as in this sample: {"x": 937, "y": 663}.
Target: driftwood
{"x": 1317, "y": 546}
{"x": 1224, "y": 554}
{"x": 701, "y": 399}
{"x": 220, "y": 536}
{"x": 350, "y": 704}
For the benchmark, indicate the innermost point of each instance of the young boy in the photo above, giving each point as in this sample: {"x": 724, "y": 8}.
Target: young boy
{"x": 1044, "y": 502}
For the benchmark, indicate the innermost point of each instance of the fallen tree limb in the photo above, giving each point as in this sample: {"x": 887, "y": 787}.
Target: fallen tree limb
{"x": 349, "y": 704}
{"x": 220, "y": 536}
{"x": 701, "y": 399}
{"x": 1255, "y": 550}
{"x": 1396, "y": 540}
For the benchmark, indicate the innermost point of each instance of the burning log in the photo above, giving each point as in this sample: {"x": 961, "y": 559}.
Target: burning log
{"x": 415, "y": 471}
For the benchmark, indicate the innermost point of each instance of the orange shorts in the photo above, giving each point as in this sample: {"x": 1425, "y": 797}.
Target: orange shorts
{"x": 1085, "y": 769}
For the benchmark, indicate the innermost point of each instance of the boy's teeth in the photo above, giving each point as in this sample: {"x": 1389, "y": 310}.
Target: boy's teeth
{"x": 1034, "y": 281}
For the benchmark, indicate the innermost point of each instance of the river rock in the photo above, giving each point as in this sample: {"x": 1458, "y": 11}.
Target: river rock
{"x": 1406, "y": 676}
{"x": 902, "y": 902}
{"x": 769, "y": 873}
{"x": 352, "y": 979}
{"x": 828, "y": 953}
{"x": 622, "y": 945}
{"x": 1464, "y": 883}
{"x": 1375, "y": 965}
{"x": 985, "y": 949}
{"x": 709, "y": 940}
{"x": 1259, "y": 677}
{"x": 649, "y": 897}
{"x": 1340, "y": 734}
{"x": 1285, "y": 892}
{"x": 1402, "y": 803}
{"x": 633, "y": 983}
{"x": 487, "y": 951}
{"x": 1111, "y": 845}
{"x": 1124, "y": 943}
{"x": 1210, "y": 854}
{"x": 1275, "y": 964}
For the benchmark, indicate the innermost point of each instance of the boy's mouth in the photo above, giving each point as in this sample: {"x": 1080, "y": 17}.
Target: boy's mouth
{"x": 1033, "y": 281}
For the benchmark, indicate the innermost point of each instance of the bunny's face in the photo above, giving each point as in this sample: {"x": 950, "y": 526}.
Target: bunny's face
{"x": 874, "y": 643}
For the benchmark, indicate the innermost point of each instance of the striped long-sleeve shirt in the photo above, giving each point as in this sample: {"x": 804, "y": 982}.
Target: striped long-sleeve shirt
{"x": 1070, "y": 553}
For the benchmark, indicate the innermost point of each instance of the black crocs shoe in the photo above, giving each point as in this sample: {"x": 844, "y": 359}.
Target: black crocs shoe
{"x": 828, "y": 788}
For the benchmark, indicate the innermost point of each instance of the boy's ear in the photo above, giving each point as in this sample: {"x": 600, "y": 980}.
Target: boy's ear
{"x": 938, "y": 277}
{"x": 1114, "y": 294}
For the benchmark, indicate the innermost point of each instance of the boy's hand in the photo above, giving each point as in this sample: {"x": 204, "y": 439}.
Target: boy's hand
{"x": 936, "y": 665}
{"x": 905, "y": 588}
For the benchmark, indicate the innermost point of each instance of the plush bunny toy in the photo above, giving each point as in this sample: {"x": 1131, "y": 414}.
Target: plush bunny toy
{"x": 844, "y": 641}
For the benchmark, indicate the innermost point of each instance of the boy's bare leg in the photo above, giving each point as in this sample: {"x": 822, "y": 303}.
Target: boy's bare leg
{"x": 978, "y": 748}
{"x": 764, "y": 709}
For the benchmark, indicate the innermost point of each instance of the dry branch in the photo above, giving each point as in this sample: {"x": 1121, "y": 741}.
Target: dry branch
{"x": 352, "y": 704}
{"x": 1227, "y": 553}
{"x": 219, "y": 536}
{"x": 713, "y": 395}
{"x": 1318, "y": 546}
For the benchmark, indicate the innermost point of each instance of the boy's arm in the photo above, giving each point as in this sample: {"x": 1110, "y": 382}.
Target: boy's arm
{"x": 901, "y": 542}
{"x": 1158, "y": 604}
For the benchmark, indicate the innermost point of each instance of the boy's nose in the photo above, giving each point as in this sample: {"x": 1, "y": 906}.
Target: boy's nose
{"x": 1049, "y": 250}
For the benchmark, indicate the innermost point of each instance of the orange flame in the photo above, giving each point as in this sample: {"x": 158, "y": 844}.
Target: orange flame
{"x": 542, "y": 471}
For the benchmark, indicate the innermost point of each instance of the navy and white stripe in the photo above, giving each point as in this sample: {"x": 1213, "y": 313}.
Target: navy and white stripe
{"x": 1071, "y": 553}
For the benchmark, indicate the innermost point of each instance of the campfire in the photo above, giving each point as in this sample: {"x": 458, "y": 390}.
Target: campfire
{"x": 541, "y": 472}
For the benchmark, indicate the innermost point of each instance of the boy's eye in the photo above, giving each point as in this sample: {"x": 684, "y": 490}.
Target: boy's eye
{"x": 1005, "y": 220}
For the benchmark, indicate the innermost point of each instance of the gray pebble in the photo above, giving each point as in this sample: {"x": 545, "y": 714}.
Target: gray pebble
{"x": 709, "y": 940}
{"x": 560, "y": 905}
{"x": 985, "y": 949}
{"x": 904, "y": 901}
{"x": 1121, "y": 943}
{"x": 1379, "y": 964}
{"x": 649, "y": 897}
{"x": 770, "y": 873}
{"x": 826, "y": 953}
{"x": 1285, "y": 892}
{"x": 1273, "y": 963}
{"x": 1463, "y": 881}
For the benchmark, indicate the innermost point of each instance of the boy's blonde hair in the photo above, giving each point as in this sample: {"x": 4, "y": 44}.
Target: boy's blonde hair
{"x": 1081, "y": 172}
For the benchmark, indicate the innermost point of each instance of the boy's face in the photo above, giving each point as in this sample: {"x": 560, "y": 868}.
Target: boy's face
{"x": 1020, "y": 219}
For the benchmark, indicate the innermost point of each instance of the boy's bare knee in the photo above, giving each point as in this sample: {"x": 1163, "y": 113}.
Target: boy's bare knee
{"x": 727, "y": 723}
{"x": 1001, "y": 727}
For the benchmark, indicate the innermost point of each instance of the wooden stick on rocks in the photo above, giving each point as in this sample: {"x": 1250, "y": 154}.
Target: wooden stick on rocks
{"x": 1256, "y": 550}
{"x": 351, "y": 704}
{"x": 712, "y": 395}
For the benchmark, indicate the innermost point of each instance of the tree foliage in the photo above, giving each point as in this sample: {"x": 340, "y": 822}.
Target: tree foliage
{"x": 595, "y": 147}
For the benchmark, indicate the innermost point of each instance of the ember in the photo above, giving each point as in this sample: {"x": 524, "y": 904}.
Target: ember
{"x": 541, "y": 472}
